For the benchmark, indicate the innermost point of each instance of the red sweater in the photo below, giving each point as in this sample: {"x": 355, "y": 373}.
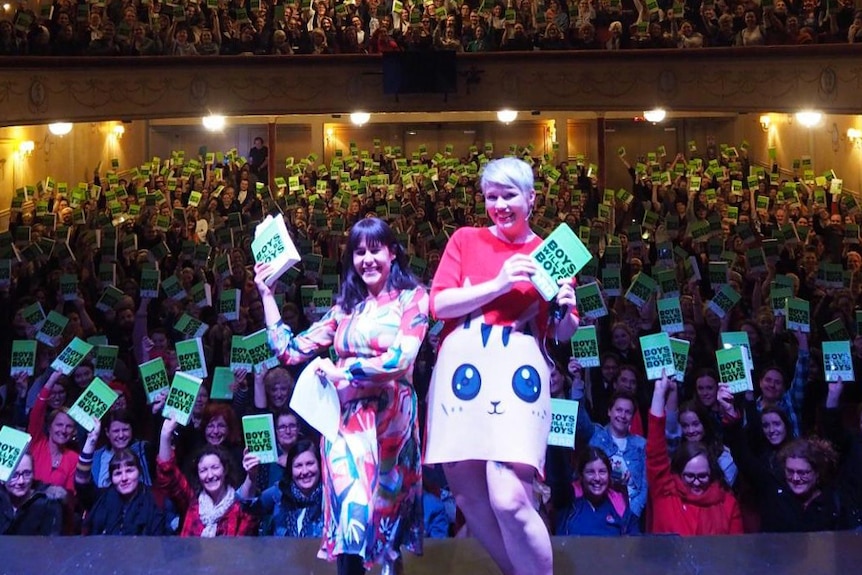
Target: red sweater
{"x": 674, "y": 508}
{"x": 235, "y": 522}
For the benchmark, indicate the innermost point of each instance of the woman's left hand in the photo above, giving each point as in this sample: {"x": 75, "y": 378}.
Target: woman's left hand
{"x": 328, "y": 370}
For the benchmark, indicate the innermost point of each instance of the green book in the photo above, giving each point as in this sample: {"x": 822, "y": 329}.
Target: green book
{"x": 258, "y": 431}
{"x": 590, "y": 301}
{"x": 181, "y": 397}
{"x": 69, "y": 287}
{"x": 222, "y": 381}
{"x": 724, "y": 300}
{"x": 798, "y": 314}
{"x": 190, "y": 357}
{"x": 52, "y": 329}
{"x": 13, "y": 446}
{"x": 23, "y": 357}
{"x": 272, "y": 245}
{"x": 95, "y": 340}
{"x": 836, "y": 330}
{"x": 228, "y": 304}
{"x": 564, "y": 417}
{"x": 154, "y": 377}
{"x": 613, "y": 257}
{"x": 108, "y": 273}
{"x": 150, "y": 282}
{"x": 837, "y": 361}
{"x": 670, "y": 315}
{"x": 222, "y": 267}
{"x": 560, "y": 256}
{"x": 106, "y": 360}
{"x": 321, "y": 300}
{"x": 95, "y": 402}
{"x": 239, "y": 354}
{"x": 260, "y": 355}
{"x": 680, "y": 348}
{"x": 585, "y": 346}
{"x": 612, "y": 282}
{"x": 717, "y": 273}
{"x": 732, "y": 369}
{"x": 110, "y": 298}
{"x": 173, "y": 288}
{"x": 657, "y": 355}
{"x": 667, "y": 282}
{"x": 201, "y": 294}
{"x": 641, "y": 289}
{"x": 778, "y": 296}
{"x": 71, "y": 356}
{"x": 190, "y": 326}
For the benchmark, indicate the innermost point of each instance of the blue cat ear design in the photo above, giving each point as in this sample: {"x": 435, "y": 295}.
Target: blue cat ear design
{"x": 467, "y": 323}
{"x": 507, "y": 331}
{"x": 526, "y": 383}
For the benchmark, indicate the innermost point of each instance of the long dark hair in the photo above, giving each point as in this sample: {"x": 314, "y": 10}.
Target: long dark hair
{"x": 687, "y": 451}
{"x": 295, "y": 451}
{"x": 711, "y": 438}
{"x": 375, "y": 232}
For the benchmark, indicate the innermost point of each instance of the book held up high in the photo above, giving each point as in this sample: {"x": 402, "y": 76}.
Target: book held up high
{"x": 273, "y": 245}
{"x": 560, "y": 256}
{"x": 181, "y": 397}
{"x": 258, "y": 431}
{"x": 95, "y": 402}
{"x": 13, "y": 445}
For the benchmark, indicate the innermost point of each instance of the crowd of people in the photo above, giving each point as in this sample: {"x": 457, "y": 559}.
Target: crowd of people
{"x": 246, "y": 27}
{"x": 669, "y": 455}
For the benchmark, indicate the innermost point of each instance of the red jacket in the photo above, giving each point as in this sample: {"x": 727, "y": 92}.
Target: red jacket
{"x": 235, "y": 522}
{"x": 674, "y": 508}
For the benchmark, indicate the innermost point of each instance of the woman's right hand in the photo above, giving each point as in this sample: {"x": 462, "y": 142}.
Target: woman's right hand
{"x": 518, "y": 268}
{"x": 250, "y": 462}
{"x": 169, "y": 426}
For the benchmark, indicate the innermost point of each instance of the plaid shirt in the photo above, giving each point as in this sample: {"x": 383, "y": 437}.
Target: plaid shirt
{"x": 234, "y": 522}
{"x": 791, "y": 401}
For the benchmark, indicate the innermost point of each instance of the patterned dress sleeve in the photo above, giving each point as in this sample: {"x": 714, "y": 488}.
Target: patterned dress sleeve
{"x": 297, "y": 349}
{"x": 403, "y": 351}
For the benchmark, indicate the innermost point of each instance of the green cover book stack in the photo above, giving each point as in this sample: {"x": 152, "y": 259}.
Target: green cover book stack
{"x": 154, "y": 378}
{"x": 258, "y": 431}
{"x": 560, "y": 256}
{"x": 181, "y": 397}
{"x": 95, "y": 402}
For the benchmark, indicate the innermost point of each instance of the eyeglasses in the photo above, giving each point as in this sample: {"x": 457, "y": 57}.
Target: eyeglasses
{"x": 26, "y": 475}
{"x": 288, "y": 427}
{"x": 800, "y": 473}
{"x": 692, "y": 477}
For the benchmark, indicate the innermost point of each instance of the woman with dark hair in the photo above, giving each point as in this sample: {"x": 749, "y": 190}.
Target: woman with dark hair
{"x": 595, "y": 508}
{"x": 209, "y": 504}
{"x": 294, "y": 506}
{"x": 221, "y": 427}
{"x": 126, "y": 506}
{"x": 371, "y": 472}
{"x": 119, "y": 432}
{"x": 689, "y": 494}
{"x": 695, "y": 424}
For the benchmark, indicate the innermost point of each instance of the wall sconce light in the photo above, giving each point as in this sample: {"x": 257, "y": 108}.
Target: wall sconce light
{"x": 213, "y": 122}
{"x": 60, "y": 128}
{"x": 507, "y": 116}
{"x": 809, "y": 118}
{"x": 26, "y": 148}
{"x": 765, "y": 122}
{"x": 118, "y": 131}
{"x": 655, "y": 116}
{"x": 854, "y": 135}
{"x": 360, "y": 118}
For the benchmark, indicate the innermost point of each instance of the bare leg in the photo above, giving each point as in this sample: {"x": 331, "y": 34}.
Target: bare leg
{"x": 524, "y": 534}
{"x": 468, "y": 481}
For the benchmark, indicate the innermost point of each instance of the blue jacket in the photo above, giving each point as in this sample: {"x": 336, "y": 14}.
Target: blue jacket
{"x": 634, "y": 456}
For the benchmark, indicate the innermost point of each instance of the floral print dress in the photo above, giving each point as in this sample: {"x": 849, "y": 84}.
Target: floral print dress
{"x": 372, "y": 473}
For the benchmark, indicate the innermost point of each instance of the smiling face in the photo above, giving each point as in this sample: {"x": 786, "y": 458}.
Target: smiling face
{"x": 596, "y": 479}
{"x": 305, "y": 471}
{"x": 286, "y": 431}
{"x": 800, "y": 476}
{"x": 621, "y": 414}
{"x": 61, "y": 430}
{"x": 216, "y": 430}
{"x": 773, "y": 428}
{"x": 707, "y": 390}
{"x": 20, "y": 483}
{"x": 509, "y": 209}
{"x": 211, "y": 474}
{"x": 772, "y": 385}
{"x": 696, "y": 474}
{"x": 119, "y": 434}
{"x": 692, "y": 427}
{"x": 126, "y": 478}
{"x": 373, "y": 264}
